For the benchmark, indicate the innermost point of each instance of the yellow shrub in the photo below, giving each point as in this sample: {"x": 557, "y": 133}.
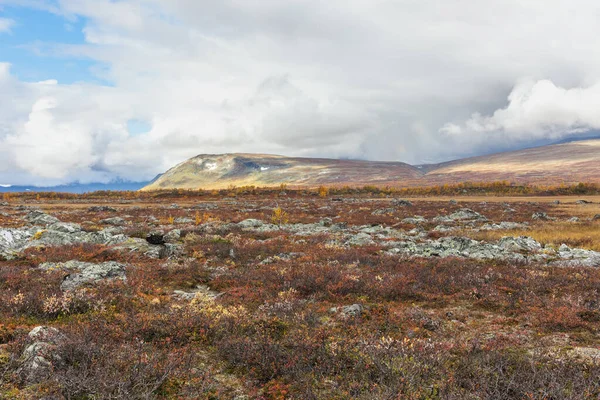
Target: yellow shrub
{"x": 279, "y": 216}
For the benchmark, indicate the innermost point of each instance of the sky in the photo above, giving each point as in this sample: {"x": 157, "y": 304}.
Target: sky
{"x": 94, "y": 90}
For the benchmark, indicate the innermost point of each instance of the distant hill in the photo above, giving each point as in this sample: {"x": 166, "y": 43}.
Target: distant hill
{"x": 76, "y": 187}
{"x": 224, "y": 170}
{"x": 567, "y": 163}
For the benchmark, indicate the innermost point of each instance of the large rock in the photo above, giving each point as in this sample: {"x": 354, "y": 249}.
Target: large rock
{"x": 38, "y": 217}
{"x": 118, "y": 221}
{"x": 360, "y": 239}
{"x": 250, "y": 223}
{"x": 41, "y": 356}
{"x": 86, "y": 273}
{"x": 466, "y": 214}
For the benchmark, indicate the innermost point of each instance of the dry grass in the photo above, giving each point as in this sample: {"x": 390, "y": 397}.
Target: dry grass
{"x": 584, "y": 235}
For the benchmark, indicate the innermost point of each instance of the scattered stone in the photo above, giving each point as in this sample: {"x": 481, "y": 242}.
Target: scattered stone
{"x": 326, "y": 221}
{"x": 540, "y": 216}
{"x": 250, "y": 223}
{"x": 102, "y": 209}
{"x": 417, "y": 219}
{"x": 401, "y": 203}
{"x": 504, "y": 225}
{"x": 349, "y": 311}
{"x": 360, "y": 239}
{"x": 118, "y": 221}
{"x": 453, "y": 202}
{"x": 583, "y": 202}
{"x": 466, "y": 214}
{"x": 596, "y": 217}
{"x": 573, "y": 219}
{"x": 202, "y": 289}
{"x": 183, "y": 220}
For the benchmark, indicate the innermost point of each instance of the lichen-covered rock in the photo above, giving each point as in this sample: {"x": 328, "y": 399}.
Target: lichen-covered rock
{"x": 250, "y": 223}
{"x": 504, "y": 225}
{"x": 360, "y": 239}
{"x": 349, "y": 311}
{"x": 540, "y": 216}
{"x": 102, "y": 209}
{"x": 38, "y": 217}
{"x": 466, "y": 214}
{"x": 417, "y": 219}
{"x": 401, "y": 203}
{"x": 118, "y": 221}
{"x": 519, "y": 244}
{"x": 86, "y": 273}
{"x": 41, "y": 356}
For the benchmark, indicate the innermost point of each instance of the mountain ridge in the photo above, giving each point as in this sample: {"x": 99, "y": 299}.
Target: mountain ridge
{"x": 571, "y": 162}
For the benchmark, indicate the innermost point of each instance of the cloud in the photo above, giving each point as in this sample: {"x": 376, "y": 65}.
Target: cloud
{"x": 6, "y": 24}
{"x": 411, "y": 81}
{"x": 536, "y": 110}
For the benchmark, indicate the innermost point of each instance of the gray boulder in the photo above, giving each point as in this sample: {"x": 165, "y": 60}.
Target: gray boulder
{"x": 86, "y": 273}
{"x": 118, "y": 221}
{"x": 540, "y": 216}
{"x": 417, "y": 219}
{"x": 360, "y": 239}
{"x": 353, "y": 310}
{"x": 38, "y": 217}
{"x": 41, "y": 356}
{"x": 250, "y": 223}
{"x": 466, "y": 214}
{"x": 401, "y": 203}
{"x": 102, "y": 209}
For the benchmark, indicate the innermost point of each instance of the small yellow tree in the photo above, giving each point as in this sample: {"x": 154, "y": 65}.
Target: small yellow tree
{"x": 323, "y": 191}
{"x": 279, "y": 216}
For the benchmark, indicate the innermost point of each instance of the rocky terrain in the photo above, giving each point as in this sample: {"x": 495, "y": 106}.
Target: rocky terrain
{"x": 568, "y": 163}
{"x": 299, "y": 295}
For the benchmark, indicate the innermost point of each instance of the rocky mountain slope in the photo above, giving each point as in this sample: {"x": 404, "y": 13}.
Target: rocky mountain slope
{"x": 567, "y": 163}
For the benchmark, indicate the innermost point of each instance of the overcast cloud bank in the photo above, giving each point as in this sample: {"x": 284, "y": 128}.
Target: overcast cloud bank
{"x": 414, "y": 81}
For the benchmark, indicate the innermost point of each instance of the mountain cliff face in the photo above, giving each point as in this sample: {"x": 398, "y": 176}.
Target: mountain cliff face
{"x": 223, "y": 170}
{"x": 562, "y": 163}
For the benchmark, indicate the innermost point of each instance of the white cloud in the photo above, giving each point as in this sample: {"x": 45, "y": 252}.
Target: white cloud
{"x": 375, "y": 79}
{"x": 536, "y": 110}
{"x": 6, "y": 24}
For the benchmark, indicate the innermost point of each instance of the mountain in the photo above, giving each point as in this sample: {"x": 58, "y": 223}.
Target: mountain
{"x": 567, "y": 163}
{"x": 224, "y": 170}
{"x": 75, "y": 187}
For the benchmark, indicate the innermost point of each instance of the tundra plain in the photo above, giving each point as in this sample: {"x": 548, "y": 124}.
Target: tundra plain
{"x": 300, "y": 294}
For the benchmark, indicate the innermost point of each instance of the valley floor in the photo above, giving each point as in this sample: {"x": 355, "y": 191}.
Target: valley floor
{"x": 300, "y": 296}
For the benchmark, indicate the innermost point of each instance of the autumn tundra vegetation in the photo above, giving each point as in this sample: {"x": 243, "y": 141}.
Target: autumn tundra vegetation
{"x": 465, "y": 291}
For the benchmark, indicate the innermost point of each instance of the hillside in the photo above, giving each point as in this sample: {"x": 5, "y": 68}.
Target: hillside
{"x": 567, "y": 163}
{"x": 224, "y": 170}
{"x": 560, "y": 163}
